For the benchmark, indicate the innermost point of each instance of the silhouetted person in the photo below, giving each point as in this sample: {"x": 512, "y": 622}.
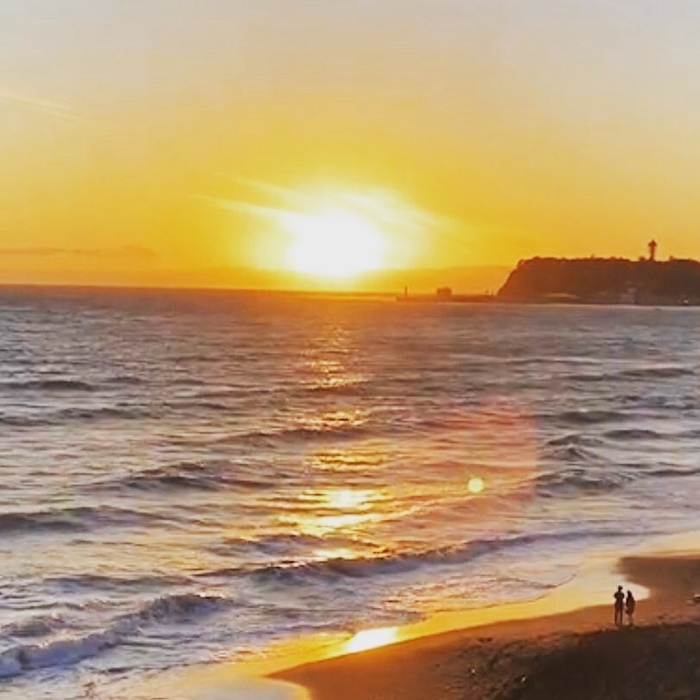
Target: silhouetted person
{"x": 619, "y": 605}
{"x": 630, "y": 605}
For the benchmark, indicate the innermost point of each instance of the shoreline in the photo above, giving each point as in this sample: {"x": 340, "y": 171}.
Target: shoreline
{"x": 663, "y": 577}
{"x": 527, "y": 657}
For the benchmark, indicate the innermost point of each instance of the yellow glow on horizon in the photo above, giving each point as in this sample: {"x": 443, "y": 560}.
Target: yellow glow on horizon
{"x": 334, "y": 244}
{"x": 371, "y": 639}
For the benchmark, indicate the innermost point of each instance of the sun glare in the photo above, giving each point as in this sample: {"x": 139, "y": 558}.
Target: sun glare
{"x": 371, "y": 639}
{"x": 334, "y": 244}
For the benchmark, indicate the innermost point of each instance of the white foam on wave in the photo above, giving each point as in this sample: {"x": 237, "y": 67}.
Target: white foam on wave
{"x": 61, "y": 652}
{"x": 67, "y": 651}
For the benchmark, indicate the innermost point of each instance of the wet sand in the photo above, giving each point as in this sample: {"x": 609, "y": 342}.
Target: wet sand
{"x": 572, "y": 655}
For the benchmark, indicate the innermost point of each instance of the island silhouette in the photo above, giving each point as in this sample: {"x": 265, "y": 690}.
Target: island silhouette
{"x": 593, "y": 280}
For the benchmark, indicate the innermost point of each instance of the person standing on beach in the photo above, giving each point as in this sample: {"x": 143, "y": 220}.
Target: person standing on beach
{"x": 630, "y": 605}
{"x": 619, "y": 605}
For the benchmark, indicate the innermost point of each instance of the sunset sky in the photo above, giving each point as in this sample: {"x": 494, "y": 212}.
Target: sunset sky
{"x": 181, "y": 141}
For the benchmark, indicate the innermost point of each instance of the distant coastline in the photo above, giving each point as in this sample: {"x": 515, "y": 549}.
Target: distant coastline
{"x": 611, "y": 281}
{"x": 444, "y": 294}
{"x": 644, "y": 282}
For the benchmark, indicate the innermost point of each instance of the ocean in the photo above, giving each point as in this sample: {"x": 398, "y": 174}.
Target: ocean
{"x": 190, "y": 477}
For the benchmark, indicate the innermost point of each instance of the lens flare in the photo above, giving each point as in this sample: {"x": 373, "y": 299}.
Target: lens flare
{"x": 476, "y": 485}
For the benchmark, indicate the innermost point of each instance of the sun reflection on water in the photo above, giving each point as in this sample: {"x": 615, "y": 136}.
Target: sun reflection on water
{"x": 319, "y": 526}
{"x": 325, "y": 510}
{"x": 349, "y": 499}
{"x": 371, "y": 639}
{"x": 334, "y": 420}
{"x": 357, "y": 459}
{"x": 330, "y": 554}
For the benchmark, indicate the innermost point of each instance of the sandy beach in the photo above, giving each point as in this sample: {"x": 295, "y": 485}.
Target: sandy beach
{"x": 578, "y": 654}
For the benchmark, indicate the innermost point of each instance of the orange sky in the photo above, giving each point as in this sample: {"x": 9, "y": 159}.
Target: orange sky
{"x": 145, "y": 146}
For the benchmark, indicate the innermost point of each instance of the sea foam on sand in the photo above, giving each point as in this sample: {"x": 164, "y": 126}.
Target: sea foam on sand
{"x": 222, "y": 685}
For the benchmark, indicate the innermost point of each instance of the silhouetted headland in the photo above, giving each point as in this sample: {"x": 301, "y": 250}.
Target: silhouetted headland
{"x": 644, "y": 282}
{"x": 604, "y": 281}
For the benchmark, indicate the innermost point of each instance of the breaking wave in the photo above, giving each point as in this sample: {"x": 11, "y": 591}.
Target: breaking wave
{"x": 38, "y": 626}
{"x": 633, "y": 434}
{"x": 196, "y": 476}
{"x": 635, "y": 374}
{"x": 67, "y": 651}
{"x": 571, "y": 454}
{"x": 56, "y": 385}
{"x": 364, "y": 567}
{"x": 586, "y": 417}
{"x": 76, "y": 519}
{"x": 578, "y": 483}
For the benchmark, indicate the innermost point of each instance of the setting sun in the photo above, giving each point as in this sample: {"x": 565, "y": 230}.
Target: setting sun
{"x": 321, "y": 317}
{"x": 334, "y": 244}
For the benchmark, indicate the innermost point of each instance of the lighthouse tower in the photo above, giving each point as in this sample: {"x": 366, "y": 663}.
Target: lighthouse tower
{"x": 652, "y": 250}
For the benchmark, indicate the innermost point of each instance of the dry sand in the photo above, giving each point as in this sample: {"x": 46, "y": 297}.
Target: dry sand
{"x": 578, "y": 655}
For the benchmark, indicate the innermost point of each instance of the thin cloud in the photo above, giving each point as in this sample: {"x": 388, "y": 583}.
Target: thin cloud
{"x": 378, "y": 203}
{"x": 411, "y": 232}
{"x": 57, "y": 110}
{"x": 238, "y": 205}
{"x": 292, "y": 197}
{"x": 380, "y": 206}
{"x": 128, "y": 252}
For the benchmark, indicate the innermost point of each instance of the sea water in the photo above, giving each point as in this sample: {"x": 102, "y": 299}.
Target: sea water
{"x": 189, "y": 477}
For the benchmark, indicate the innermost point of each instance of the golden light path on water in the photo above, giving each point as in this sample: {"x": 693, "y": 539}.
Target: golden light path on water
{"x": 361, "y": 518}
{"x": 362, "y": 521}
{"x": 336, "y": 509}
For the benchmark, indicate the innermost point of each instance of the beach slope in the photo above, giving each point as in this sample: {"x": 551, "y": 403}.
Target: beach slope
{"x": 574, "y": 655}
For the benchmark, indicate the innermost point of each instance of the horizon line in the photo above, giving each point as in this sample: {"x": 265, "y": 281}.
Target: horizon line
{"x": 197, "y": 288}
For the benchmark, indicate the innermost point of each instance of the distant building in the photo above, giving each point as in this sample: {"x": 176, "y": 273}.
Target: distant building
{"x": 652, "y": 250}
{"x": 443, "y": 293}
